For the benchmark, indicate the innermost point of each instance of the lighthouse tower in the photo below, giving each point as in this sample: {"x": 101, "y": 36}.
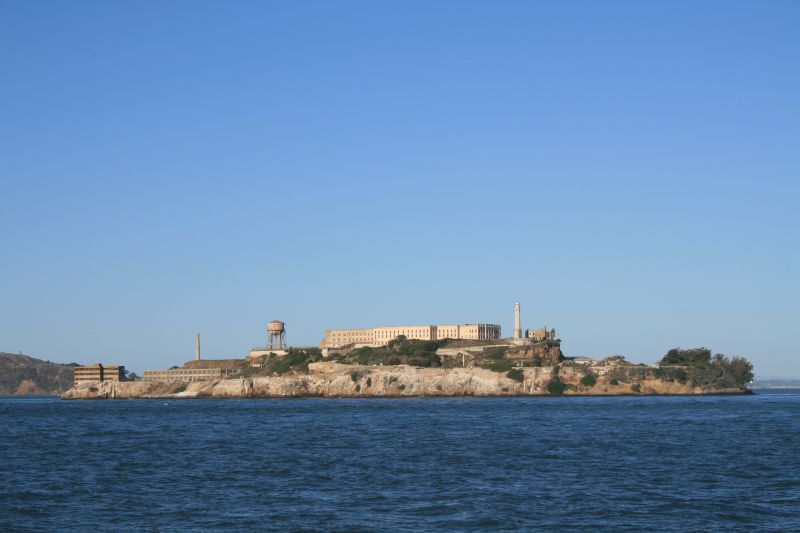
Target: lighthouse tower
{"x": 517, "y": 322}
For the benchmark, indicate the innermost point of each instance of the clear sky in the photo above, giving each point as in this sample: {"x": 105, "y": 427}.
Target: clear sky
{"x": 628, "y": 171}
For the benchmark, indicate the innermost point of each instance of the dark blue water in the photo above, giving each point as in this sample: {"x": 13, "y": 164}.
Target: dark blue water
{"x": 639, "y": 464}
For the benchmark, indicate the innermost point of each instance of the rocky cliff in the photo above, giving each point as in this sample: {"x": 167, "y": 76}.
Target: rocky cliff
{"x": 331, "y": 380}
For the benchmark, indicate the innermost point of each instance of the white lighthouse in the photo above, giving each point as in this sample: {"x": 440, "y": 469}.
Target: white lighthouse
{"x": 517, "y": 322}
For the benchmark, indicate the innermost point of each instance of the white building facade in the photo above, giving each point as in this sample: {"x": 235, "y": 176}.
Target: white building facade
{"x": 380, "y": 336}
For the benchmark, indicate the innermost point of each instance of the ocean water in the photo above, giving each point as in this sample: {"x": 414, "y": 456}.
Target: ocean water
{"x": 464, "y": 464}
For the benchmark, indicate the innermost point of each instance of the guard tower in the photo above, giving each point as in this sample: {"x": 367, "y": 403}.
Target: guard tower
{"x": 276, "y": 335}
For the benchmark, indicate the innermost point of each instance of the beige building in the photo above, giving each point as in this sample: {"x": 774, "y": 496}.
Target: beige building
{"x": 336, "y": 338}
{"x": 97, "y": 374}
{"x": 189, "y": 374}
{"x": 541, "y": 334}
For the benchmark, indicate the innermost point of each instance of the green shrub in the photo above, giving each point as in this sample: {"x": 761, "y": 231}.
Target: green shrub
{"x": 636, "y": 388}
{"x": 279, "y": 366}
{"x": 503, "y": 365}
{"x": 496, "y": 353}
{"x": 355, "y": 375}
{"x": 619, "y": 374}
{"x": 638, "y": 372}
{"x": 614, "y": 381}
{"x": 556, "y": 386}
{"x": 92, "y": 389}
{"x": 398, "y": 351}
{"x": 369, "y": 382}
{"x": 363, "y": 355}
{"x": 294, "y": 360}
{"x": 397, "y": 340}
{"x": 358, "y": 387}
{"x": 671, "y": 374}
{"x": 402, "y": 386}
{"x": 516, "y": 374}
{"x": 180, "y": 387}
{"x": 424, "y": 359}
{"x": 589, "y": 380}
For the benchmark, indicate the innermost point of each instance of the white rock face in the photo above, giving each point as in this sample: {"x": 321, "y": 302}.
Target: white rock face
{"x": 332, "y": 380}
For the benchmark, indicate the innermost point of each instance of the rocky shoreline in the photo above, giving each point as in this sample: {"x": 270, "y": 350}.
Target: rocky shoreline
{"x": 332, "y": 380}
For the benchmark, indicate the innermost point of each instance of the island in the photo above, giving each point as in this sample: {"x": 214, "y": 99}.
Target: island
{"x": 417, "y": 368}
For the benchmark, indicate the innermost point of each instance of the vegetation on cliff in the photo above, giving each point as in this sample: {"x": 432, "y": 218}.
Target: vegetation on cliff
{"x": 495, "y": 359}
{"x": 295, "y": 360}
{"x": 702, "y": 370}
{"x": 693, "y": 368}
{"x": 24, "y": 375}
{"x": 556, "y": 385}
{"x": 516, "y": 374}
{"x": 399, "y": 351}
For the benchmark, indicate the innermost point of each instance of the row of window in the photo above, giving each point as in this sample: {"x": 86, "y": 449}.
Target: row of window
{"x": 195, "y": 372}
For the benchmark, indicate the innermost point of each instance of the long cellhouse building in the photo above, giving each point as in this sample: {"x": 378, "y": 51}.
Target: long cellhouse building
{"x": 380, "y": 336}
{"x": 189, "y": 374}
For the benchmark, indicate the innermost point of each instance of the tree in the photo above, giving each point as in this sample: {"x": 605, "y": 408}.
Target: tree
{"x": 742, "y": 369}
{"x": 397, "y": 340}
{"x": 719, "y": 371}
{"x": 693, "y": 357}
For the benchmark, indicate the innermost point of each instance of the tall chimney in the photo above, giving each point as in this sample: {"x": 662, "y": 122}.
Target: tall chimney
{"x": 197, "y": 348}
{"x": 517, "y": 322}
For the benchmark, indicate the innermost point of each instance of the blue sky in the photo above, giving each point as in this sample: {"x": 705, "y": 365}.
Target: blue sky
{"x": 628, "y": 171}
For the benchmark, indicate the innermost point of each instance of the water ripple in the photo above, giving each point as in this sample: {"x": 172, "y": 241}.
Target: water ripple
{"x": 513, "y": 464}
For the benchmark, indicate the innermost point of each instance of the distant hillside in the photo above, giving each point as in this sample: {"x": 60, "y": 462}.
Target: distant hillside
{"x": 21, "y": 375}
{"x": 787, "y": 383}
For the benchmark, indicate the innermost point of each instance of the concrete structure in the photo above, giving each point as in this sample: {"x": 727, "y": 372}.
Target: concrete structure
{"x": 189, "y": 374}
{"x": 197, "y": 348}
{"x": 276, "y": 334}
{"x": 258, "y": 351}
{"x": 517, "y": 322}
{"x": 97, "y": 374}
{"x": 337, "y": 338}
{"x": 541, "y": 334}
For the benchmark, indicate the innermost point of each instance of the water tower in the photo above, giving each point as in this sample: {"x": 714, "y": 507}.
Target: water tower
{"x": 276, "y": 338}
